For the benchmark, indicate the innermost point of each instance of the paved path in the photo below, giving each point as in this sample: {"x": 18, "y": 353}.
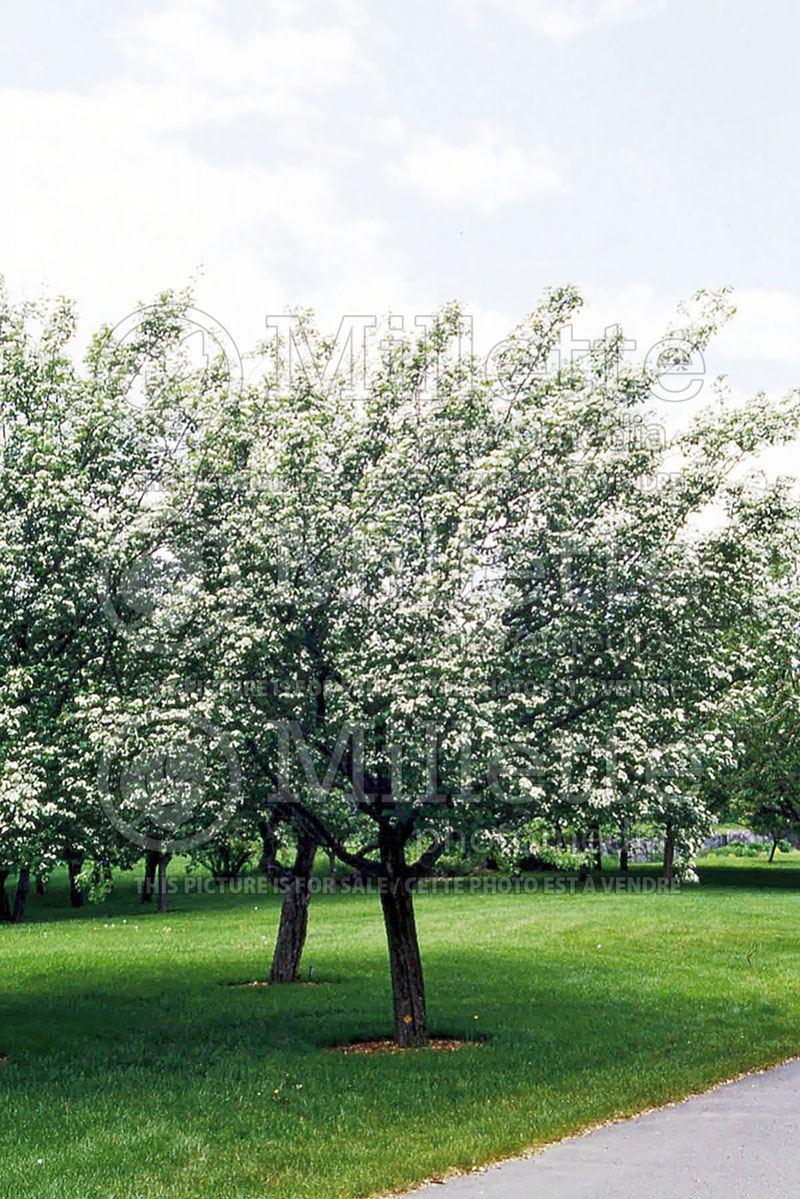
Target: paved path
{"x": 741, "y": 1141}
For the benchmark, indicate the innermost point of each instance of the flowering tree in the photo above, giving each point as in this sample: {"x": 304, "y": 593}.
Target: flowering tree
{"x": 760, "y": 782}
{"x": 632, "y": 565}
{"x": 454, "y": 601}
{"x": 84, "y": 453}
{"x": 61, "y": 467}
{"x": 502, "y": 600}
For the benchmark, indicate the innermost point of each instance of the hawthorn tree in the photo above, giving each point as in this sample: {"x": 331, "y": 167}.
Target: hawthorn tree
{"x": 63, "y": 456}
{"x": 632, "y": 564}
{"x": 454, "y": 602}
{"x": 84, "y": 456}
{"x": 761, "y": 783}
{"x": 405, "y": 549}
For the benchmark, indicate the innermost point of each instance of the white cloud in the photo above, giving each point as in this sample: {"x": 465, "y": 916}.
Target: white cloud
{"x": 766, "y": 328}
{"x": 114, "y": 193}
{"x": 567, "y": 18}
{"x": 484, "y": 175}
{"x": 186, "y": 53}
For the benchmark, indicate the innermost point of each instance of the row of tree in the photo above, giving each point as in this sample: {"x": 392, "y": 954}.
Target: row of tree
{"x": 485, "y": 605}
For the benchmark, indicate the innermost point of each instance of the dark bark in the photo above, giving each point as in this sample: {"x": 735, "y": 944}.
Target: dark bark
{"x": 163, "y": 859}
{"x": 582, "y": 847}
{"x": 669, "y": 853}
{"x": 294, "y": 914}
{"x": 21, "y": 897}
{"x": 150, "y": 867}
{"x": 268, "y": 863}
{"x": 5, "y": 906}
{"x": 623, "y": 849}
{"x": 397, "y": 900}
{"x": 226, "y": 861}
{"x": 41, "y": 885}
{"x": 76, "y": 896}
{"x": 332, "y": 860}
{"x": 774, "y": 847}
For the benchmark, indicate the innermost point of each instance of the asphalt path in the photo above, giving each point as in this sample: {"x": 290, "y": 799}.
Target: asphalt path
{"x": 739, "y": 1141}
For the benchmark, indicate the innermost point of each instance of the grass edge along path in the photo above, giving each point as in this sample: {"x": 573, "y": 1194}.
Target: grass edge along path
{"x": 613, "y": 1121}
{"x": 135, "y": 1070}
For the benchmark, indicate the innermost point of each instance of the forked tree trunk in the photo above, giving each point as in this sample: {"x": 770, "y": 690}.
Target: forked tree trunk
{"x": 397, "y": 900}
{"x": 5, "y": 906}
{"x": 294, "y": 914}
{"x": 21, "y": 897}
{"x": 268, "y": 862}
{"x": 76, "y": 896}
{"x": 669, "y": 853}
{"x": 150, "y": 867}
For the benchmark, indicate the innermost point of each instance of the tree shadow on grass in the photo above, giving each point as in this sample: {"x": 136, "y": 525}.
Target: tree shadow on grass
{"x": 576, "y": 1027}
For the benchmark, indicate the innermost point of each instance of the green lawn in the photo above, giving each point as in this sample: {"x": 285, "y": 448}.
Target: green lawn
{"x": 136, "y": 1072}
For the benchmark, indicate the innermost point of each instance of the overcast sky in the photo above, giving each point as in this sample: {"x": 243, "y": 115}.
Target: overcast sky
{"x": 365, "y": 157}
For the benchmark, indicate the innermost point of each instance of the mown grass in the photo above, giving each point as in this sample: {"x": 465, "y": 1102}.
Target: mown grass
{"x": 135, "y": 1072}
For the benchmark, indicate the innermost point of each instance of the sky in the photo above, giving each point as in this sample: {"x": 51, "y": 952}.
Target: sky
{"x": 363, "y": 157}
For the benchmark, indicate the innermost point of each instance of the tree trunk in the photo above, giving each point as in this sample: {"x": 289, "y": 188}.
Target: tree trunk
{"x": 76, "y": 896}
{"x": 397, "y": 900}
{"x": 294, "y": 915}
{"x": 268, "y": 863}
{"x": 583, "y": 868}
{"x": 332, "y": 860}
{"x": 21, "y": 897}
{"x": 5, "y": 906}
{"x": 623, "y": 849}
{"x": 150, "y": 867}
{"x": 163, "y": 858}
{"x": 598, "y": 850}
{"x": 774, "y": 847}
{"x": 669, "y": 852}
{"x": 40, "y": 885}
